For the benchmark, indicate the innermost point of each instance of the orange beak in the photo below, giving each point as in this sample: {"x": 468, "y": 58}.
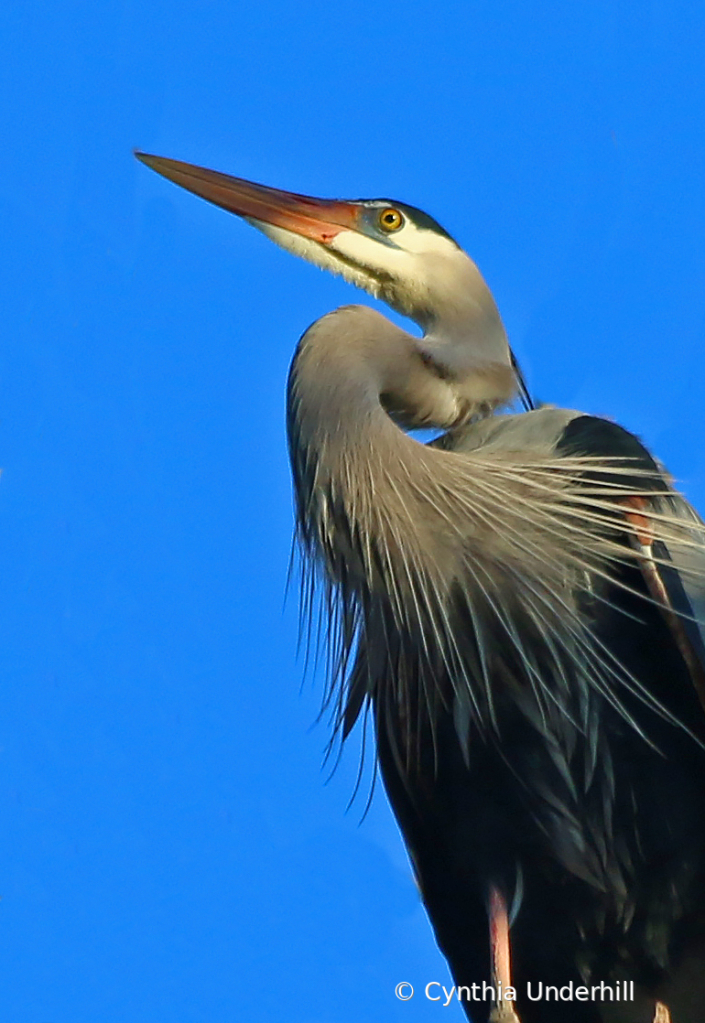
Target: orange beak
{"x": 318, "y": 219}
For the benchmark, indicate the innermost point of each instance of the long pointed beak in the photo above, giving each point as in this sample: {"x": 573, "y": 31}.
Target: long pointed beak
{"x": 318, "y": 219}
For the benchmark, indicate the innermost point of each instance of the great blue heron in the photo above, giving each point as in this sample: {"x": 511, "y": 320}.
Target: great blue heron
{"x": 519, "y": 603}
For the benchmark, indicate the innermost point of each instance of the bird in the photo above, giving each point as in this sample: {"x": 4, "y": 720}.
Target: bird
{"x": 517, "y": 604}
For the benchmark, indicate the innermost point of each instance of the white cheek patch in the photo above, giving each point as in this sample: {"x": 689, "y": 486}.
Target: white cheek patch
{"x": 397, "y": 256}
{"x": 403, "y": 273}
{"x": 365, "y": 251}
{"x": 413, "y": 259}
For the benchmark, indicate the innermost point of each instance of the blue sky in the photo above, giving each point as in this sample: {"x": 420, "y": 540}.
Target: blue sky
{"x": 169, "y": 849}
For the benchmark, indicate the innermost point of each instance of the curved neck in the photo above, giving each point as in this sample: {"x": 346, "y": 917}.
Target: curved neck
{"x": 449, "y": 299}
{"x": 354, "y": 364}
{"x": 352, "y": 465}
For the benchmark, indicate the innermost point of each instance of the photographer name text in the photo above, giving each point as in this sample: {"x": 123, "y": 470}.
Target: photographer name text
{"x": 536, "y": 991}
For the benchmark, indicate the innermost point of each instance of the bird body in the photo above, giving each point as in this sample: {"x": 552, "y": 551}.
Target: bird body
{"x": 584, "y": 807}
{"x": 518, "y": 604}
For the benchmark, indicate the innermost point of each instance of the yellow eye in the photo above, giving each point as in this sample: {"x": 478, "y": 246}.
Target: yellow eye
{"x": 390, "y": 219}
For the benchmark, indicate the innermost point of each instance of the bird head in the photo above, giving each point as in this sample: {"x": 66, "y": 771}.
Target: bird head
{"x": 393, "y": 251}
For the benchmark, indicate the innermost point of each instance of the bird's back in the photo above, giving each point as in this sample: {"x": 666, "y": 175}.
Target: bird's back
{"x": 585, "y": 810}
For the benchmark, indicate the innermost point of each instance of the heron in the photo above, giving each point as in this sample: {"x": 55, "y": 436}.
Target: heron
{"x": 517, "y": 605}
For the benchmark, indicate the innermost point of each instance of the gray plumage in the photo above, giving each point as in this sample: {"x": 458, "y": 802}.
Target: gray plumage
{"x": 519, "y": 603}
